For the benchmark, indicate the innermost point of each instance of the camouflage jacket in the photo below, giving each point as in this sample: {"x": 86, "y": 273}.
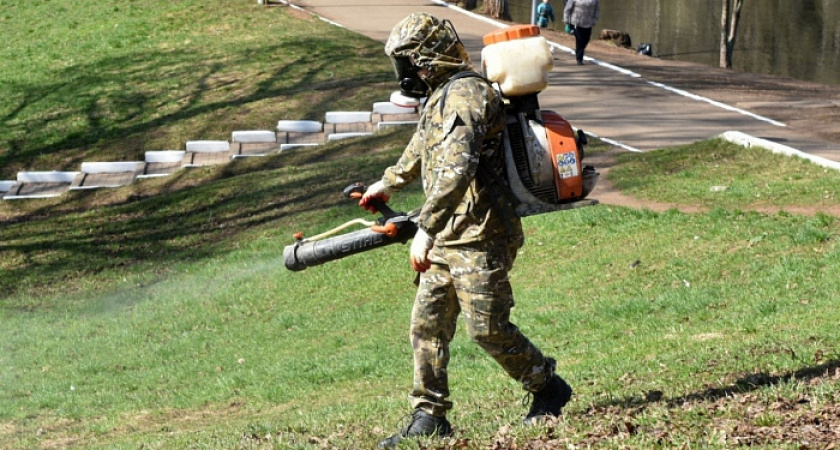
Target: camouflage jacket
{"x": 464, "y": 204}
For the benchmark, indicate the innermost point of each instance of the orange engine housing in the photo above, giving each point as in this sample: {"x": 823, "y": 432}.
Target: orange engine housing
{"x": 565, "y": 156}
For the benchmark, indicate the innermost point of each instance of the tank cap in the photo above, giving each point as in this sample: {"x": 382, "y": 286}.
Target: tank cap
{"x": 511, "y": 33}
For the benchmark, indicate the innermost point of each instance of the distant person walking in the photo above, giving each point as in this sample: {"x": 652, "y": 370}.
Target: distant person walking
{"x": 582, "y": 15}
{"x": 545, "y": 13}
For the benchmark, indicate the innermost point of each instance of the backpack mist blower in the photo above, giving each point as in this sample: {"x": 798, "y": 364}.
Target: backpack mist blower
{"x": 543, "y": 154}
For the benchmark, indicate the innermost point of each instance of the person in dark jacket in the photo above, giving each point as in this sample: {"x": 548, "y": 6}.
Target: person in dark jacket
{"x": 582, "y": 15}
{"x": 545, "y": 14}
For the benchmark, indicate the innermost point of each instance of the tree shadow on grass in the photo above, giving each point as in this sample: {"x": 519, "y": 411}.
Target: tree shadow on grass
{"x": 111, "y": 109}
{"x": 187, "y": 217}
{"x": 745, "y": 384}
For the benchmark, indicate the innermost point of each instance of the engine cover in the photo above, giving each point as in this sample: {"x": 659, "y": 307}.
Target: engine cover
{"x": 544, "y": 164}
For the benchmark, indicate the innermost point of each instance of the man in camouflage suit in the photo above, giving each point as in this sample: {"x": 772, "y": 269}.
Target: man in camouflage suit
{"x": 468, "y": 231}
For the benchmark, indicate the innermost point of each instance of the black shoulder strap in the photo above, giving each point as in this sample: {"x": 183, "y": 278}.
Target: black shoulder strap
{"x": 458, "y": 76}
{"x": 487, "y": 177}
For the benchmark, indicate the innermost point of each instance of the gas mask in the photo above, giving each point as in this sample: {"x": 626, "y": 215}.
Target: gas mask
{"x": 411, "y": 85}
{"x": 425, "y": 52}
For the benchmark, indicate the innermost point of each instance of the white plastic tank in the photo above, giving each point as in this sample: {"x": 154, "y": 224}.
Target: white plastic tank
{"x": 518, "y": 59}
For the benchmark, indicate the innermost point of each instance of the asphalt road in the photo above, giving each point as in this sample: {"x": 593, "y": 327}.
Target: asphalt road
{"x": 601, "y": 97}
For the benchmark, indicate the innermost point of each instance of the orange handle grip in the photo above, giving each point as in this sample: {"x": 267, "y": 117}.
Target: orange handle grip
{"x": 389, "y": 229}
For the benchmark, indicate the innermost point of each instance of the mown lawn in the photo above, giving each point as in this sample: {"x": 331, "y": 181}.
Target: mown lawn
{"x": 714, "y": 328}
{"x": 107, "y": 81}
{"x": 160, "y": 315}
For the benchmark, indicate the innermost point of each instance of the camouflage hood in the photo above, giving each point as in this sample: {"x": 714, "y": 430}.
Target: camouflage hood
{"x": 431, "y": 44}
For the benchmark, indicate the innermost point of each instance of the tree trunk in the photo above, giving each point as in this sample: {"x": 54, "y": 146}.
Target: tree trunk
{"x": 729, "y": 18}
{"x": 497, "y": 9}
{"x": 724, "y": 21}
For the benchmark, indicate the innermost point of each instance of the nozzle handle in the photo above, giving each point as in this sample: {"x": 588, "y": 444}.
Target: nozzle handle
{"x": 357, "y": 190}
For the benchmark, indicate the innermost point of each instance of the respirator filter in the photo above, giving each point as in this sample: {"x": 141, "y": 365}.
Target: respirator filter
{"x": 411, "y": 85}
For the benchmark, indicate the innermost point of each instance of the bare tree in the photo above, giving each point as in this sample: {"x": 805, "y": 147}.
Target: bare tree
{"x": 497, "y": 9}
{"x": 729, "y": 19}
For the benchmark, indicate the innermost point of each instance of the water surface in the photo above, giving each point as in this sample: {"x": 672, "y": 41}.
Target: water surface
{"x": 792, "y": 38}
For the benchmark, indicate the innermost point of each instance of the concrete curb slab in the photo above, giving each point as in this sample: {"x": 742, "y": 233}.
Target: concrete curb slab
{"x": 161, "y": 163}
{"x": 257, "y": 136}
{"x": 340, "y": 136}
{"x": 96, "y": 175}
{"x": 399, "y": 123}
{"x": 743, "y": 139}
{"x": 299, "y": 126}
{"x": 288, "y": 147}
{"x": 40, "y": 185}
{"x": 6, "y": 185}
{"x": 251, "y": 149}
{"x": 348, "y": 116}
{"x": 208, "y": 146}
{"x": 390, "y": 108}
{"x": 206, "y": 153}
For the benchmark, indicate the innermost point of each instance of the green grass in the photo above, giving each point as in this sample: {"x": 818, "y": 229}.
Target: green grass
{"x": 159, "y": 315}
{"x": 709, "y": 173}
{"x": 51, "y": 246}
{"x": 107, "y": 81}
{"x": 203, "y": 339}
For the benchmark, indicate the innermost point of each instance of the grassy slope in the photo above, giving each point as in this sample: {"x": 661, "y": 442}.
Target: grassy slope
{"x": 141, "y": 230}
{"x": 160, "y": 314}
{"x": 106, "y": 81}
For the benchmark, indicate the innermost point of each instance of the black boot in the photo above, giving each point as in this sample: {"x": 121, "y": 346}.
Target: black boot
{"x": 422, "y": 424}
{"x": 549, "y": 401}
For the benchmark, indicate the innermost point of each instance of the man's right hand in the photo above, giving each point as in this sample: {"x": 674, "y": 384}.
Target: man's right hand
{"x": 376, "y": 190}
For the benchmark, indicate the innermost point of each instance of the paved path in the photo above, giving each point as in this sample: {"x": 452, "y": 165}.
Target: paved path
{"x": 603, "y": 98}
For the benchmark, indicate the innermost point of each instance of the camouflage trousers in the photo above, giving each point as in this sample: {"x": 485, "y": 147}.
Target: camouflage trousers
{"x": 472, "y": 280}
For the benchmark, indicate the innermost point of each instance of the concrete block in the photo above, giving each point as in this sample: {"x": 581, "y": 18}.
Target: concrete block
{"x": 395, "y": 117}
{"x": 286, "y": 147}
{"x": 41, "y": 185}
{"x": 258, "y": 136}
{"x": 408, "y": 102}
{"x": 249, "y": 149}
{"x": 339, "y": 136}
{"x": 304, "y": 138}
{"x": 352, "y": 127}
{"x": 97, "y": 175}
{"x": 208, "y": 146}
{"x": 6, "y": 185}
{"x": 348, "y": 116}
{"x": 405, "y": 123}
{"x": 299, "y": 126}
{"x": 36, "y": 190}
{"x": 164, "y": 156}
{"x": 47, "y": 177}
{"x": 161, "y": 163}
{"x": 112, "y": 167}
{"x": 200, "y": 159}
{"x": 103, "y": 180}
{"x": 390, "y": 108}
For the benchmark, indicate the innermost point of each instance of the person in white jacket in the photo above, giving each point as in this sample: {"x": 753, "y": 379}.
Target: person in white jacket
{"x": 582, "y": 15}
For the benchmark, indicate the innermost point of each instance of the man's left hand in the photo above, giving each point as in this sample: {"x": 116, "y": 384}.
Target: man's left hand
{"x": 420, "y": 247}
